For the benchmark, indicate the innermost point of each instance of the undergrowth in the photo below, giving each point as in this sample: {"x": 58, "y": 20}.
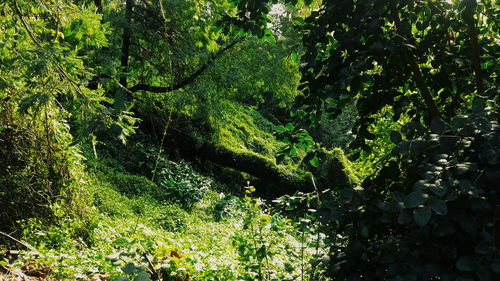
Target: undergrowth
{"x": 141, "y": 231}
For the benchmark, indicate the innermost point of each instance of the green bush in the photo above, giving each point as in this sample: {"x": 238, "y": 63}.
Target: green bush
{"x": 430, "y": 212}
{"x": 40, "y": 171}
{"x": 181, "y": 183}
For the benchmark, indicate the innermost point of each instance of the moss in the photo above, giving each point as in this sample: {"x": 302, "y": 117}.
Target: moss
{"x": 336, "y": 170}
{"x": 243, "y": 128}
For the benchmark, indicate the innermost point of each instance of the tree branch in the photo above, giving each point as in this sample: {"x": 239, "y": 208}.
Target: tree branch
{"x": 22, "y": 243}
{"x": 418, "y": 78}
{"x": 188, "y": 80}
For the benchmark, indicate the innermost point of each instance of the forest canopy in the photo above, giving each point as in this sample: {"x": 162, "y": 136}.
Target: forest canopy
{"x": 249, "y": 140}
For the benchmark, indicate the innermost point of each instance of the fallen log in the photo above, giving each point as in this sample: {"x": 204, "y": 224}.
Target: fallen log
{"x": 332, "y": 173}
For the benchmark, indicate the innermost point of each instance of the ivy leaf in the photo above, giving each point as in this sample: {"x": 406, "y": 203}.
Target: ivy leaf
{"x": 438, "y": 206}
{"x": 415, "y": 199}
{"x": 422, "y": 215}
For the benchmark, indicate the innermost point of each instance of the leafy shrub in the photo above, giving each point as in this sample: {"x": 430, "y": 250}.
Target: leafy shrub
{"x": 133, "y": 185}
{"x": 43, "y": 236}
{"x": 226, "y": 207}
{"x": 172, "y": 218}
{"x": 38, "y": 167}
{"x": 181, "y": 183}
{"x": 430, "y": 213}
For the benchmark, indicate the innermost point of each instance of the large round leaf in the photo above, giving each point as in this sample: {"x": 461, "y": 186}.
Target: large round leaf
{"x": 422, "y": 215}
{"x": 438, "y": 206}
{"x": 415, "y": 199}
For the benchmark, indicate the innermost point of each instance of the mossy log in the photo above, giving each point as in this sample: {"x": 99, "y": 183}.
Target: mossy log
{"x": 334, "y": 170}
{"x": 272, "y": 180}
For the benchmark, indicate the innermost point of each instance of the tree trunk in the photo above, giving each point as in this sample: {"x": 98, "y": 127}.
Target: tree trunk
{"x": 127, "y": 30}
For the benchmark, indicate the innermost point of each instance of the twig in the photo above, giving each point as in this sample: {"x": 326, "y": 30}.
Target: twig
{"x": 22, "y": 243}
{"x": 313, "y": 268}
{"x": 154, "y": 273}
{"x": 18, "y": 252}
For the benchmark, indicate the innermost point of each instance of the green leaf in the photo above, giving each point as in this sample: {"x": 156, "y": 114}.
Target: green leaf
{"x": 437, "y": 126}
{"x": 113, "y": 257}
{"x": 484, "y": 273}
{"x": 415, "y": 199}
{"x": 438, "y": 206}
{"x": 314, "y": 162}
{"x": 129, "y": 268}
{"x": 483, "y": 125}
{"x": 418, "y": 146}
{"x": 404, "y": 217}
{"x": 294, "y": 57}
{"x": 121, "y": 242}
{"x": 268, "y": 38}
{"x": 142, "y": 276}
{"x": 422, "y": 215}
{"x": 485, "y": 248}
{"x": 443, "y": 229}
{"x": 465, "y": 167}
{"x": 466, "y": 263}
{"x": 280, "y": 129}
{"x": 331, "y": 100}
{"x": 438, "y": 189}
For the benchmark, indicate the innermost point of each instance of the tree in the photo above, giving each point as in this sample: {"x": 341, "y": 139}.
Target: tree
{"x": 424, "y": 61}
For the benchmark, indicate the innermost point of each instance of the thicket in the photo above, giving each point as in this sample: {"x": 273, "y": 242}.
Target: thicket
{"x": 411, "y": 86}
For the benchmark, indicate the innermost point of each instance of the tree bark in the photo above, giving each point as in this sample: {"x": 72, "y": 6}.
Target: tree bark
{"x": 127, "y": 30}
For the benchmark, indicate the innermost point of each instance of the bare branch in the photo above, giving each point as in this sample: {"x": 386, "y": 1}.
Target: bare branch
{"x": 188, "y": 80}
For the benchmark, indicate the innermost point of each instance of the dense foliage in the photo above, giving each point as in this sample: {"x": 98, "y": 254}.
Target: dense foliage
{"x": 137, "y": 137}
